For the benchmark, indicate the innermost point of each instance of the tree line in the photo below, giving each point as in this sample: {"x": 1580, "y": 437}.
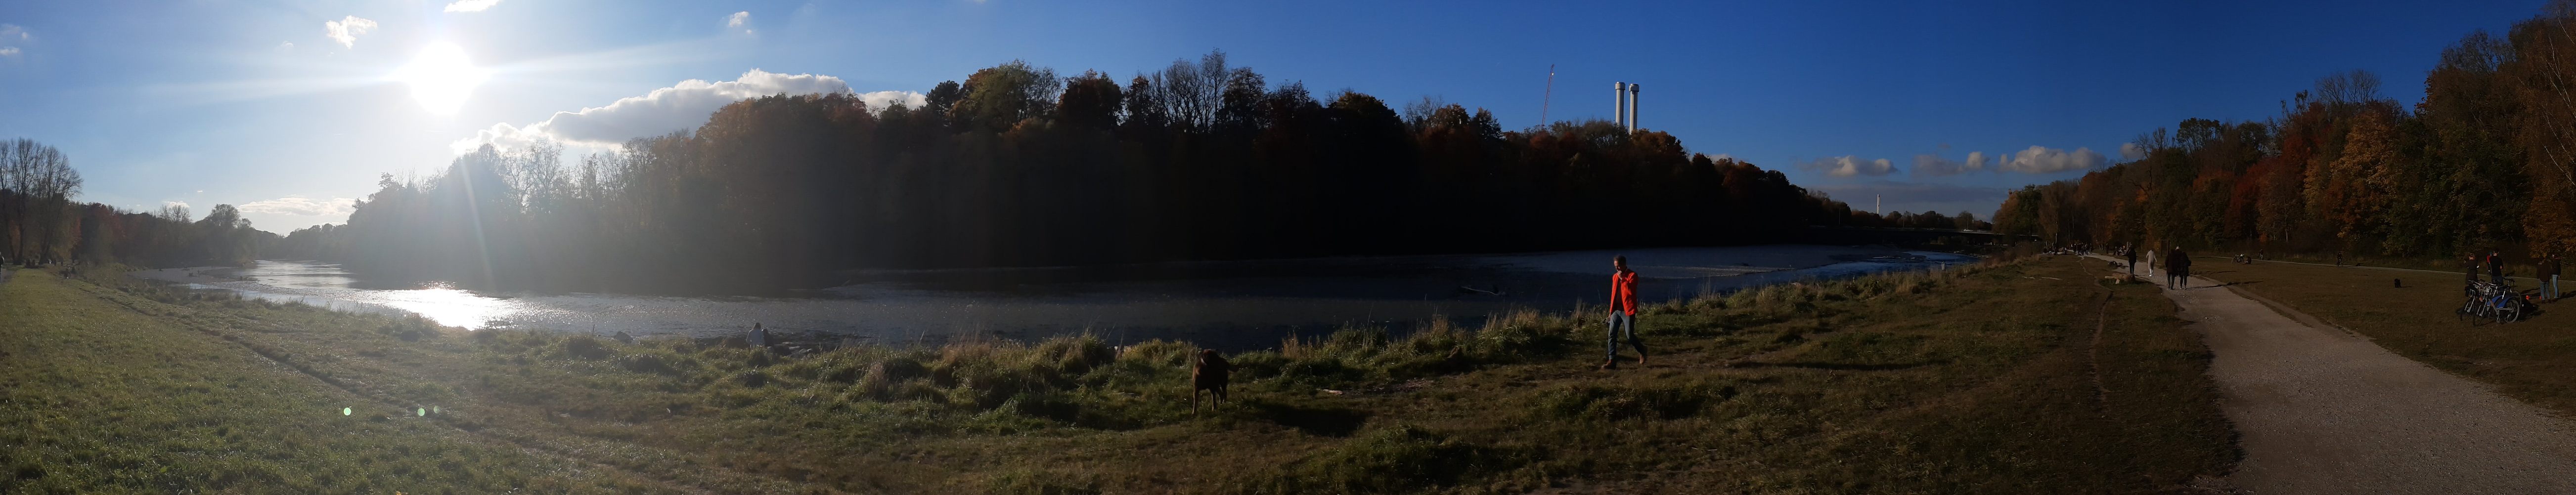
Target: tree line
{"x": 2484, "y": 161}
{"x": 42, "y": 223}
{"x": 1019, "y": 165}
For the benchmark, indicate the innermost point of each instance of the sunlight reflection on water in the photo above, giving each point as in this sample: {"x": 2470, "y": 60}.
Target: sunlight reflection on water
{"x": 1237, "y": 304}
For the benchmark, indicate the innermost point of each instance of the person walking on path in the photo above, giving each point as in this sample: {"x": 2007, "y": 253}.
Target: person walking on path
{"x": 1623, "y": 313}
{"x": 2166, "y": 263}
{"x": 2133, "y": 260}
{"x": 2173, "y": 268}
{"x": 2182, "y": 267}
{"x": 2151, "y": 261}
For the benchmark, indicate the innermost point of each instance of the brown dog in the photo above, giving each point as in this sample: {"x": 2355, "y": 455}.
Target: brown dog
{"x": 1209, "y": 375}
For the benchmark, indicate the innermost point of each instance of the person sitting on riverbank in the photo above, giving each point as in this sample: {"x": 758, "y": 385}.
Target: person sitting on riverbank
{"x": 1623, "y": 313}
{"x": 759, "y": 337}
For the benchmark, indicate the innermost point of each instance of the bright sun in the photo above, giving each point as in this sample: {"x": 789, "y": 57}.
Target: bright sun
{"x": 441, "y": 77}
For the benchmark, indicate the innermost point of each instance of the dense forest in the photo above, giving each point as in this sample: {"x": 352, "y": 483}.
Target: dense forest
{"x": 41, "y": 223}
{"x": 1021, "y": 166}
{"x": 2483, "y": 162}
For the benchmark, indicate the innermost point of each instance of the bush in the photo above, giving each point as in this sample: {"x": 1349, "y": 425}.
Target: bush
{"x": 1075, "y": 355}
{"x": 585, "y": 347}
{"x": 1160, "y": 352}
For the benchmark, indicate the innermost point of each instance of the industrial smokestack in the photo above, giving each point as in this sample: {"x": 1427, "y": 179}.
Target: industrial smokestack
{"x": 1633, "y": 90}
{"x": 1619, "y": 107}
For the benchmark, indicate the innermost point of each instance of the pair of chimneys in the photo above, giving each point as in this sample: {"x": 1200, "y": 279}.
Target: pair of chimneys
{"x": 1626, "y": 109}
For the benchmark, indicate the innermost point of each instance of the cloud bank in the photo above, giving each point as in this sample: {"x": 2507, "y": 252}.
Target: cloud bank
{"x": 2132, "y": 151}
{"x": 2044, "y": 160}
{"x": 347, "y": 29}
{"x": 300, "y": 206}
{"x": 680, "y": 107}
{"x": 1936, "y": 165}
{"x": 1851, "y": 166}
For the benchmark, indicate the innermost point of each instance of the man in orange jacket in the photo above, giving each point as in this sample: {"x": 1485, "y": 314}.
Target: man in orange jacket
{"x": 1623, "y": 313}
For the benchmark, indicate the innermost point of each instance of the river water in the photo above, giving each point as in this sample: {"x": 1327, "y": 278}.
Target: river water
{"x": 1230, "y": 304}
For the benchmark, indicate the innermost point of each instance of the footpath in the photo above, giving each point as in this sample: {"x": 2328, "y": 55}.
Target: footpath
{"x": 2321, "y": 410}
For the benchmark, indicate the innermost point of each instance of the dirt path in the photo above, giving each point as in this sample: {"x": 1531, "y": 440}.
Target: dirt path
{"x": 2323, "y": 411}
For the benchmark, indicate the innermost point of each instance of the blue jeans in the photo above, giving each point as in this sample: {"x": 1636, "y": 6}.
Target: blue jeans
{"x": 2553, "y": 287}
{"x": 1622, "y": 322}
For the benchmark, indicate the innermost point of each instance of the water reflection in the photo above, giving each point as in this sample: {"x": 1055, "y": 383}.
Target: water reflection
{"x": 1236, "y": 304}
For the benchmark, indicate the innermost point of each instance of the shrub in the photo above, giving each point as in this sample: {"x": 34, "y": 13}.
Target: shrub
{"x": 1160, "y": 352}
{"x": 1075, "y": 355}
{"x": 585, "y": 347}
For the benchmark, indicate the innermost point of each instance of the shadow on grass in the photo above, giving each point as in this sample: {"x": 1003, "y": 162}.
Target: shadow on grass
{"x": 1317, "y": 421}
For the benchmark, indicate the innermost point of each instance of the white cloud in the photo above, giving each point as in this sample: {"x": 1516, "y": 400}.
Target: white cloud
{"x": 7, "y": 33}
{"x": 1936, "y": 165}
{"x": 301, "y": 206}
{"x": 347, "y": 29}
{"x": 471, "y": 5}
{"x": 739, "y": 20}
{"x": 2132, "y": 151}
{"x": 2042, "y": 160}
{"x": 680, "y": 107}
{"x": 1850, "y": 166}
{"x": 181, "y": 204}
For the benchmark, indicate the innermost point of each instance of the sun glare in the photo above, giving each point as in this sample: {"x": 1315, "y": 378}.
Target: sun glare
{"x": 441, "y": 78}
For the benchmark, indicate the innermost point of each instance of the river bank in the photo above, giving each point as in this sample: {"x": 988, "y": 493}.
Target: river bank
{"x": 1996, "y": 376}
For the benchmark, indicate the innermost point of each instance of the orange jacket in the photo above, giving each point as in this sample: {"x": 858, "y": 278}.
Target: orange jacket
{"x": 1623, "y": 292}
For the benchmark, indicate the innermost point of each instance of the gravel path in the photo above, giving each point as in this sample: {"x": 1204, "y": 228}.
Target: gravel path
{"x": 2321, "y": 410}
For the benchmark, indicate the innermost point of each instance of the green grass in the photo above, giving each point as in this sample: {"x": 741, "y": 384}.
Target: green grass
{"x": 1978, "y": 380}
{"x": 2527, "y": 360}
{"x": 98, "y": 399}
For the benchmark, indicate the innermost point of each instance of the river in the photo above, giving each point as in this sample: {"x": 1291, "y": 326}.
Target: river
{"x": 1229, "y": 304}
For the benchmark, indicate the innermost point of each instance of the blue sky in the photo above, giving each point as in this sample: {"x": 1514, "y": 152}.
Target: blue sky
{"x": 257, "y": 103}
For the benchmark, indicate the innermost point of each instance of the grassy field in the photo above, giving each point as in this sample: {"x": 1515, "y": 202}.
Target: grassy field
{"x": 2528, "y": 360}
{"x": 2029, "y": 377}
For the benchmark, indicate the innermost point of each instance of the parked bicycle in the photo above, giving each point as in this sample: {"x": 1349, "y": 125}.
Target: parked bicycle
{"x": 2493, "y": 301}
